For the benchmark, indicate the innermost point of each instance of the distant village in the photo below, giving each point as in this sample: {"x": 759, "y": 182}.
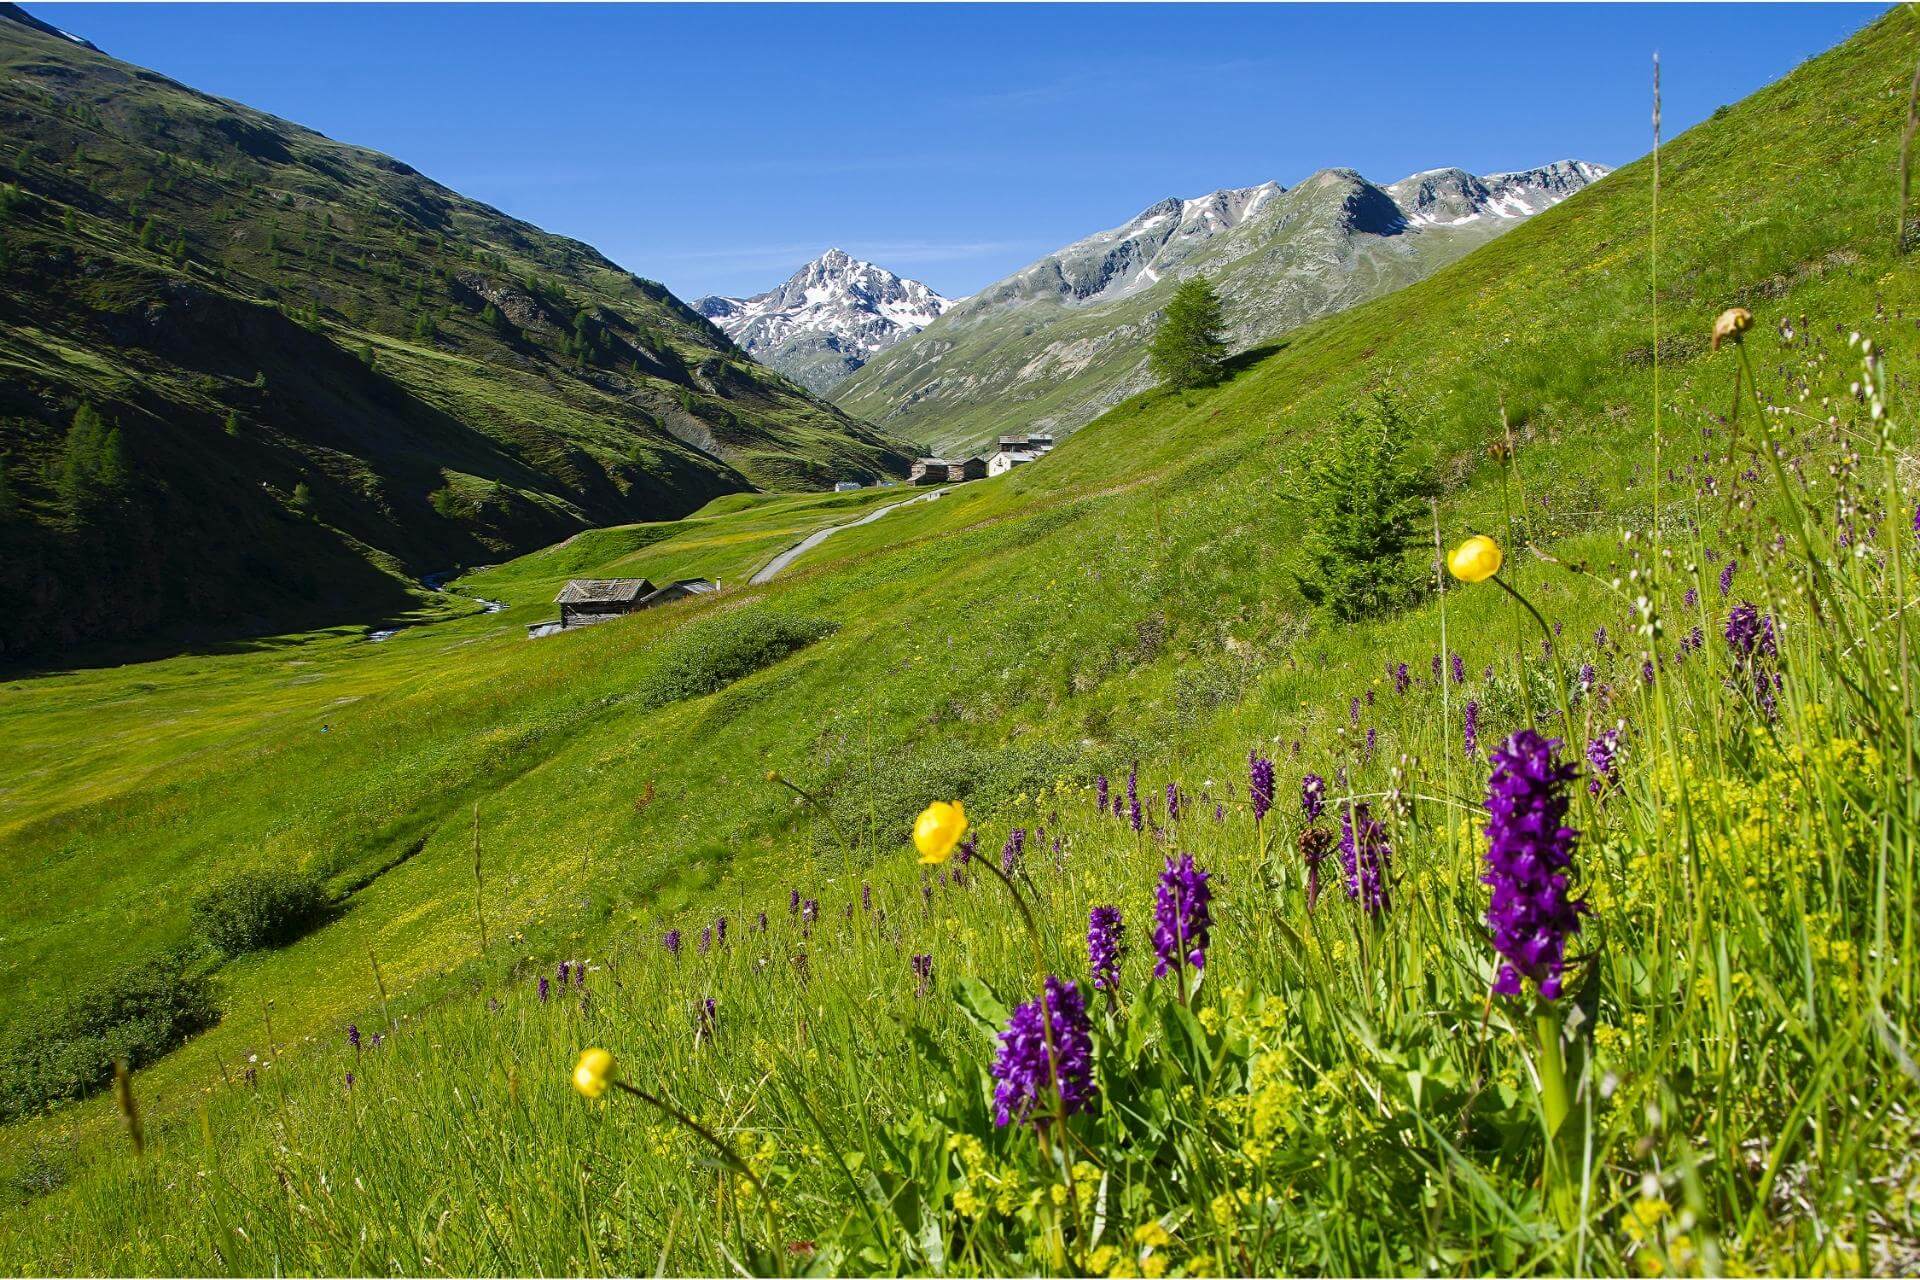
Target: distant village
{"x": 1013, "y": 451}
{"x": 585, "y": 602}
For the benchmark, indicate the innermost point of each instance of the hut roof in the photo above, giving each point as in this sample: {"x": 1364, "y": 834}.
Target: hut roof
{"x": 603, "y": 591}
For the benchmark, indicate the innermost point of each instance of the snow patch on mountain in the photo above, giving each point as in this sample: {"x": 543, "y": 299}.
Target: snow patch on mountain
{"x": 829, "y": 318}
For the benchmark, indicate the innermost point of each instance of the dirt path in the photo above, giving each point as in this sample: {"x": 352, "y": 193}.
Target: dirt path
{"x": 772, "y": 568}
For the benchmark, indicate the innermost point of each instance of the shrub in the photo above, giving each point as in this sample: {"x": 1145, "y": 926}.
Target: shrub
{"x": 258, "y": 909}
{"x": 66, "y": 1051}
{"x": 711, "y": 655}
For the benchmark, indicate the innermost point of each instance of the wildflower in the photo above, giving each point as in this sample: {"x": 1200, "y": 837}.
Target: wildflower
{"x": 1646, "y": 671}
{"x": 1260, "y": 784}
{"x": 1601, "y": 752}
{"x": 543, "y": 988}
{"x": 1106, "y": 946}
{"x": 809, "y": 911}
{"x": 1353, "y": 711}
{"x": 1181, "y": 916}
{"x": 1371, "y": 742}
{"x": 1726, "y": 576}
{"x": 938, "y": 829}
{"x": 866, "y": 896}
{"x": 704, "y": 1018}
{"x": 672, "y": 941}
{"x": 1313, "y": 796}
{"x": 1470, "y": 730}
{"x": 1100, "y": 790}
{"x": 349, "y": 1079}
{"x": 353, "y": 1035}
{"x": 1315, "y": 844}
{"x": 1401, "y": 680}
{"x": 1475, "y": 560}
{"x": 1916, "y": 521}
{"x": 1586, "y": 677}
{"x": 564, "y": 973}
{"x": 1025, "y": 1070}
{"x": 706, "y": 939}
{"x": 1010, "y": 851}
{"x": 594, "y": 1072}
{"x": 1730, "y": 324}
{"x": 1748, "y": 633}
{"x": 923, "y": 972}
{"x": 763, "y": 922}
{"x": 719, "y": 934}
{"x": 1366, "y": 855}
{"x": 1173, "y": 802}
{"x": 793, "y": 902}
{"x": 1133, "y": 796}
{"x": 1691, "y": 598}
{"x": 1529, "y": 853}
{"x": 1459, "y": 669}
{"x": 964, "y": 854}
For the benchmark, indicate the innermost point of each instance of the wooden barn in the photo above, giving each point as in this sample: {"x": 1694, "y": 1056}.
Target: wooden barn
{"x": 585, "y": 601}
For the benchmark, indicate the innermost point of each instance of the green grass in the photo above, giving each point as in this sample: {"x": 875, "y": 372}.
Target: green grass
{"x": 1747, "y": 977}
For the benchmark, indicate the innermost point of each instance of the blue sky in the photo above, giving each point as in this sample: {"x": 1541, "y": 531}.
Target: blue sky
{"x": 717, "y": 147}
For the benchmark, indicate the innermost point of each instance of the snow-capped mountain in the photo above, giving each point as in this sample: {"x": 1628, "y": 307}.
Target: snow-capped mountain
{"x": 1451, "y": 197}
{"x": 1055, "y": 343}
{"x": 828, "y": 319}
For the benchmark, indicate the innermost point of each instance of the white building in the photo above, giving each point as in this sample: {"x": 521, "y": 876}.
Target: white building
{"x": 1007, "y": 459}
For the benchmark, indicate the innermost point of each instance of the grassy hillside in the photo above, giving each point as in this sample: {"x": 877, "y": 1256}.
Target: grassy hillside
{"x": 321, "y": 372}
{"x": 1340, "y": 1094}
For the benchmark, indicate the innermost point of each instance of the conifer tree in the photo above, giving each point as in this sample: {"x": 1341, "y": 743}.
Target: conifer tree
{"x": 1363, "y": 500}
{"x": 1188, "y": 348}
{"x": 93, "y": 474}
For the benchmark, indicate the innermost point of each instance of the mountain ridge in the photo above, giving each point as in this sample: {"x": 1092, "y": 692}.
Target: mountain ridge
{"x": 321, "y": 374}
{"x": 1054, "y": 343}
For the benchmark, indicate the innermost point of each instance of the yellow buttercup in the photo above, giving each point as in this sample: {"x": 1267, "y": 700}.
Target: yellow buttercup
{"x": 1475, "y": 560}
{"x": 938, "y": 829}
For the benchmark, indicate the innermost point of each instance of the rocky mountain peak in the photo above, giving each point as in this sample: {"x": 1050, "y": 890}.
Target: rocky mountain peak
{"x": 827, "y": 319}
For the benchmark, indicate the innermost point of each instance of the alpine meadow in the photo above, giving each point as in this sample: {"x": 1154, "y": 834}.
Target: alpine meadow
{"x": 501, "y": 781}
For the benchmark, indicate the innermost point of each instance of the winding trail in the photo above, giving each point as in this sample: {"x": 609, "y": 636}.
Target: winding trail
{"x": 772, "y": 568}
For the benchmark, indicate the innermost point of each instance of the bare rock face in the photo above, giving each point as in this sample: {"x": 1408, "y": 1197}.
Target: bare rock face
{"x": 829, "y": 318}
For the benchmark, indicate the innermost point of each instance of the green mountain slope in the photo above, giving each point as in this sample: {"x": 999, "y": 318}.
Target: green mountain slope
{"x": 1128, "y": 598}
{"x": 1065, "y": 338}
{"x": 323, "y": 370}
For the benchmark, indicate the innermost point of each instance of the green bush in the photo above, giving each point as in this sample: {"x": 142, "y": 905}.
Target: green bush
{"x": 258, "y": 909}
{"x": 711, "y": 655}
{"x": 65, "y": 1051}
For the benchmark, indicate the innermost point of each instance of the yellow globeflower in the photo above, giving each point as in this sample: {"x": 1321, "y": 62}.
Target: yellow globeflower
{"x": 1475, "y": 560}
{"x": 594, "y": 1072}
{"x": 938, "y": 829}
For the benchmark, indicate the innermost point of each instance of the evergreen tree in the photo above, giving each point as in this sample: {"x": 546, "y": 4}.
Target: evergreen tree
{"x": 1188, "y": 348}
{"x": 9, "y": 501}
{"x": 93, "y": 474}
{"x": 1363, "y": 514}
{"x": 232, "y": 423}
{"x": 303, "y": 496}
